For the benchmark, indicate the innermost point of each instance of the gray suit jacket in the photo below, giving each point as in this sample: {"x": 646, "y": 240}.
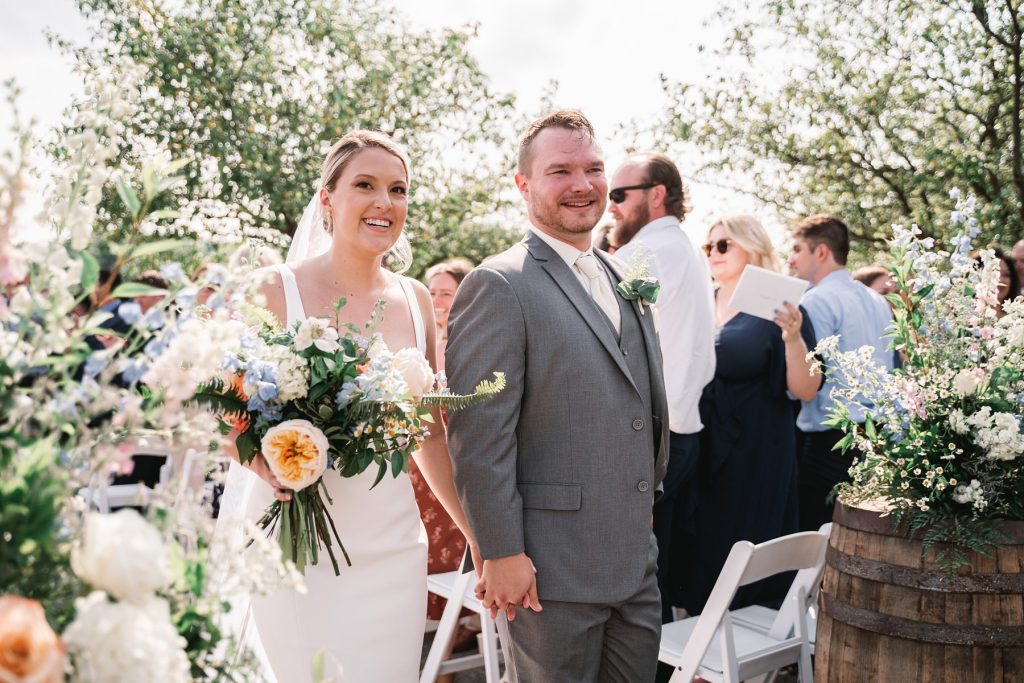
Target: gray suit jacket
{"x": 565, "y": 462}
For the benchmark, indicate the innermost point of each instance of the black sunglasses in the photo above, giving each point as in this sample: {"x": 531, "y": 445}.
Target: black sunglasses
{"x": 721, "y": 246}
{"x": 618, "y": 195}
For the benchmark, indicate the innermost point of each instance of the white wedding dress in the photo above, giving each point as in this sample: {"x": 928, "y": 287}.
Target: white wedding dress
{"x": 370, "y": 620}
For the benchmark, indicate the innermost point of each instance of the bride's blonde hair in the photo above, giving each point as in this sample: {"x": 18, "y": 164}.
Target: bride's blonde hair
{"x": 399, "y": 257}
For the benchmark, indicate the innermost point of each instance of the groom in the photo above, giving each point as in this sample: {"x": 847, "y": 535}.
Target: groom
{"x": 558, "y": 473}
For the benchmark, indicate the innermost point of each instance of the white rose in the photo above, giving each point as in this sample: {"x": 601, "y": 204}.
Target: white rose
{"x": 123, "y": 555}
{"x": 111, "y": 642}
{"x": 966, "y": 382}
{"x": 415, "y": 371}
{"x": 316, "y": 332}
{"x": 296, "y": 452}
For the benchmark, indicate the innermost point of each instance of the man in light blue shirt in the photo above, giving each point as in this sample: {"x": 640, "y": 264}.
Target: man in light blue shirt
{"x": 836, "y": 305}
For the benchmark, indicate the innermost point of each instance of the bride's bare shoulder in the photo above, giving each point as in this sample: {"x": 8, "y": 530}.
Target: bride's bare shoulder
{"x": 272, "y": 289}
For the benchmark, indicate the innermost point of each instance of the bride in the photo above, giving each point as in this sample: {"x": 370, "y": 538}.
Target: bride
{"x": 371, "y": 618}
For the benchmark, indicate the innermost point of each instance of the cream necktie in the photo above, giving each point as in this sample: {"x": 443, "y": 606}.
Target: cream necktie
{"x": 600, "y": 287}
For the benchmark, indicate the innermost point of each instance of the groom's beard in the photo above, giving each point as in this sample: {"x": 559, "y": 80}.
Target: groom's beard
{"x": 565, "y": 220}
{"x": 630, "y": 225}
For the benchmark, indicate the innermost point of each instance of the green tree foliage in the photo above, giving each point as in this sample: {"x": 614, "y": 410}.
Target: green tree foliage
{"x": 873, "y": 109}
{"x": 253, "y": 92}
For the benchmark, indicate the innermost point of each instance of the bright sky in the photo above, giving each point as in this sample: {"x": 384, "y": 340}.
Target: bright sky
{"x": 606, "y": 56}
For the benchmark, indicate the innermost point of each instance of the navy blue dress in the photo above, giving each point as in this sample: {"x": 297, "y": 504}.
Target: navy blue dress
{"x": 748, "y": 470}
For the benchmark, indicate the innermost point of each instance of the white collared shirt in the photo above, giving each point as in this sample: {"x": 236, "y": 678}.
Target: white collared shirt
{"x": 686, "y": 315}
{"x": 569, "y": 254}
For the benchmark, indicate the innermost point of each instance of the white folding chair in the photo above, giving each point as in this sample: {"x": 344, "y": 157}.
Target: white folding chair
{"x": 744, "y": 652}
{"x": 458, "y": 589}
{"x": 781, "y": 623}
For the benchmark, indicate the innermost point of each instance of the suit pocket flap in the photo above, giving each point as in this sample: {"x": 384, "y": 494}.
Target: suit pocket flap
{"x": 551, "y": 496}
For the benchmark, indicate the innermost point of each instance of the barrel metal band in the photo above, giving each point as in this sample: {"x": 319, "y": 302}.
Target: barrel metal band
{"x": 969, "y": 635}
{"x": 926, "y": 579}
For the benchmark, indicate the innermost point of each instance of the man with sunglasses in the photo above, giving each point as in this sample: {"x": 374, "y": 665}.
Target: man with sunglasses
{"x": 648, "y": 201}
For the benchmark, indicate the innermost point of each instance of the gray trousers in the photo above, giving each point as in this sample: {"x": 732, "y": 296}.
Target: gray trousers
{"x": 573, "y": 642}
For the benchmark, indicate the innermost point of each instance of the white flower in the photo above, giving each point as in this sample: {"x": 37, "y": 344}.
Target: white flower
{"x": 292, "y": 372}
{"x": 966, "y": 382}
{"x": 316, "y": 332}
{"x": 111, "y": 642}
{"x": 415, "y": 371}
{"x": 958, "y": 421}
{"x": 123, "y": 555}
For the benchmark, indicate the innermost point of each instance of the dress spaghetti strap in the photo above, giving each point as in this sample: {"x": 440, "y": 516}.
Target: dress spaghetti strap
{"x": 417, "y": 315}
{"x": 292, "y": 301}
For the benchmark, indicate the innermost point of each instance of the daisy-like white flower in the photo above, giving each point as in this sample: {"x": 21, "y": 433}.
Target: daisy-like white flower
{"x": 317, "y": 332}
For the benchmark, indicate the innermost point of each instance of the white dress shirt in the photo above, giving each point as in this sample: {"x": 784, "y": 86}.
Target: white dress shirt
{"x": 570, "y": 254}
{"x": 686, "y": 315}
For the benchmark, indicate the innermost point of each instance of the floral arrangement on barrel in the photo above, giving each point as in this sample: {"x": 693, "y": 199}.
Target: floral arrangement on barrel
{"x": 131, "y": 598}
{"x": 311, "y": 398}
{"x": 943, "y": 445}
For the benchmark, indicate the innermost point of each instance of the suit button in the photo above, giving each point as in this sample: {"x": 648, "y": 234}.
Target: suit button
{"x": 643, "y": 486}
{"x": 638, "y": 424}
{"x": 625, "y": 352}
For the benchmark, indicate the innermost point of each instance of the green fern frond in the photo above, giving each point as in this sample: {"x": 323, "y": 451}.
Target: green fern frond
{"x": 485, "y": 390}
{"x": 221, "y": 398}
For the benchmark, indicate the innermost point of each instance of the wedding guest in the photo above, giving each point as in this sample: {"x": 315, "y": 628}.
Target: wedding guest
{"x": 1009, "y": 280}
{"x": 1008, "y": 287}
{"x": 446, "y": 544}
{"x": 443, "y": 279}
{"x": 836, "y": 305}
{"x": 877, "y": 278}
{"x": 151, "y": 278}
{"x": 748, "y": 468}
{"x": 648, "y": 200}
{"x": 603, "y": 238}
{"x": 1018, "y": 260}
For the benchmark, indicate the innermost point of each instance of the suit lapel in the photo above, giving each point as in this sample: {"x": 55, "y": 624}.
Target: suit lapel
{"x": 563, "y": 276}
{"x": 651, "y": 343}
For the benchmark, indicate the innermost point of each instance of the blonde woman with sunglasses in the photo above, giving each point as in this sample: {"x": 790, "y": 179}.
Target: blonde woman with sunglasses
{"x": 748, "y": 471}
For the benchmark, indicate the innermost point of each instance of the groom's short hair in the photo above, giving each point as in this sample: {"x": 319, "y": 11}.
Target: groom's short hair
{"x": 570, "y": 119}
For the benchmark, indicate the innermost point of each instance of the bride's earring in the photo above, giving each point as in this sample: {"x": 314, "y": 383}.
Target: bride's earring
{"x": 329, "y": 222}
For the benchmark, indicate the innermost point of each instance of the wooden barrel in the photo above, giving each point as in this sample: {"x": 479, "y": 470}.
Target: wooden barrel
{"x": 887, "y": 614}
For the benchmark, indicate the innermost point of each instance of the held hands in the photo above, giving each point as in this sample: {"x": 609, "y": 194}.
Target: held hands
{"x": 789, "y": 319}
{"x": 508, "y": 582}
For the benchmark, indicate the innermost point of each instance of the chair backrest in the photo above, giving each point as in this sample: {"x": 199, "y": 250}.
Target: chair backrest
{"x": 807, "y": 581}
{"x": 790, "y": 553}
{"x": 748, "y": 563}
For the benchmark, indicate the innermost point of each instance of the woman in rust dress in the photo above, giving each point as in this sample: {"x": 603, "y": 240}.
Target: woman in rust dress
{"x": 446, "y": 542}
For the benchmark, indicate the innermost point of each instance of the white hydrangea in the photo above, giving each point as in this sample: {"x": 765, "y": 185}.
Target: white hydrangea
{"x": 971, "y": 493}
{"x": 112, "y": 642}
{"x": 292, "y": 372}
{"x": 958, "y": 421}
{"x": 998, "y": 433}
{"x": 123, "y": 555}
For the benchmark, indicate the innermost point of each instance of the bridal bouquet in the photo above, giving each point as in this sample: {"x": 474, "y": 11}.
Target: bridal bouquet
{"x": 311, "y": 398}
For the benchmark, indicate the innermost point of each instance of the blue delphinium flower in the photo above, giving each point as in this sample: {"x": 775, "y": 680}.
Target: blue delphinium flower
{"x": 172, "y": 271}
{"x": 186, "y": 298}
{"x": 348, "y": 391}
{"x": 154, "y": 318}
{"x": 231, "y": 363}
{"x": 133, "y": 369}
{"x": 96, "y": 364}
{"x": 130, "y": 312}
{"x": 261, "y": 377}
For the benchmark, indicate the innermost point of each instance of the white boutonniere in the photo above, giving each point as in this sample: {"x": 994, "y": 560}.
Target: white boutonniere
{"x": 638, "y": 285}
